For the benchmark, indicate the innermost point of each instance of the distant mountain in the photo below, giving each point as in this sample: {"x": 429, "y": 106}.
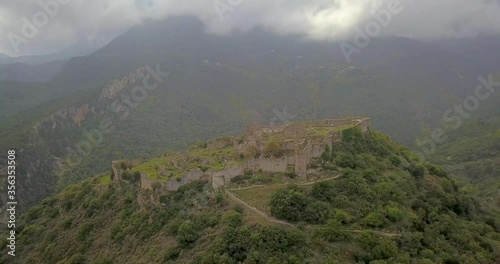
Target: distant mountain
{"x": 79, "y": 49}
{"x": 215, "y": 86}
{"x": 23, "y": 72}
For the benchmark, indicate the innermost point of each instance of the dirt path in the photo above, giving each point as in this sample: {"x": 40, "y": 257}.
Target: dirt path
{"x": 270, "y": 219}
{"x": 285, "y": 184}
{"x": 257, "y": 211}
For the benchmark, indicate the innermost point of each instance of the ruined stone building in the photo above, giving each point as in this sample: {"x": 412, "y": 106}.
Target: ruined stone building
{"x": 299, "y": 144}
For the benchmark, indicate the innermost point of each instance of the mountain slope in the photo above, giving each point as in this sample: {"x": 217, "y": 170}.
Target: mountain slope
{"x": 472, "y": 154}
{"x": 384, "y": 190}
{"x": 216, "y": 85}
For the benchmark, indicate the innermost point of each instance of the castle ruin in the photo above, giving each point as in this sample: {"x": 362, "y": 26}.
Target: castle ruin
{"x": 296, "y": 145}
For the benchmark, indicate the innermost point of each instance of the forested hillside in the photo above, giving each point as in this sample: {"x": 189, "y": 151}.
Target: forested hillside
{"x": 71, "y": 128}
{"x": 472, "y": 154}
{"x": 387, "y": 207}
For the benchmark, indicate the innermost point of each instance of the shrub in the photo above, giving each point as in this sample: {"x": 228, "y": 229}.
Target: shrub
{"x": 272, "y": 149}
{"x": 232, "y": 219}
{"x": 342, "y": 217}
{"x": 291, "y": 175}
{"x": 375, "y": 219}
{"x": 77, "y": 258}
{"x": 187, "y": 234}
{"x": 332, "y": 232}
{"x": 252, "y": 152}
{"x": 131, "y": 176}
{"x": 84, "y": 231}
{"x": 394, "y": 213}
{"x": 435, "y": 170}
{"x": 395, "y": 160}
{"x": 241, "y": 178}
{"x": 289, "y": 204}
{"x": 317, "y": 212}
{"x": 171, "y": 254}
{"x": 417, "y": 171}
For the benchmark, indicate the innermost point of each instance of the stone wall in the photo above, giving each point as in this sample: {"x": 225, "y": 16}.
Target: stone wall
{"x": 188, "y": 177}
{"x": 304, "y": 149}
{"x": 218, "y": 181}
{"x": 224, "y": 176}
{"x": 364, "y": 124}
{"x": 317, "y": 150}
{"x": 117, "y": 170}
{"x": 268, "y": 164}
{"x": 302, "y": 159}
{"x": 146, "y": 182}
{"x": 295, "y": 130}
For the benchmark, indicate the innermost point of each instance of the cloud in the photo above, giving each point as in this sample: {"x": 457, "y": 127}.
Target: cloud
{"x": 101, "y": 20}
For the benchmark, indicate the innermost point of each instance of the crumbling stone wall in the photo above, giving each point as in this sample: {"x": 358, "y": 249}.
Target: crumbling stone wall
{"x": 117, "y": 170}
{"x": 317, "y": 150}
{"x": 224, "y": 176}
{"x": 304, "y": 149}
{"x": 188, "y": 177}
{"x": 302, "y": 159}
{"x": 146, "y": 182}
{"x": 268, "y": 164}
{"x": 218, "y": 181}
{"x": 364, "y": 124}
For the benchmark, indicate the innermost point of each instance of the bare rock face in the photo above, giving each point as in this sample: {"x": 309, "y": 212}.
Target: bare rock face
{"x": 116, "y": 85}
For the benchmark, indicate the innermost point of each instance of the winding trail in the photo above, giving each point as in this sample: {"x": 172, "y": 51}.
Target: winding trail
{"x": 271, "y": 219}
{"x": 257, "y": 211}
{"x": 285, "y": 184}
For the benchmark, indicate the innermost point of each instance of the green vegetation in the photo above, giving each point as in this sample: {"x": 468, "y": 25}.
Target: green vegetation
{"x": 387, "y": 207}
{"x": 385, "y": 188}
{"x": 179, "y": 113}
{"x": 471, "y": 155}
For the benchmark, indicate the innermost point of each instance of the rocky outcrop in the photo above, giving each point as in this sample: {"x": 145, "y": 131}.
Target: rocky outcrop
{"x": 114, "y": 86}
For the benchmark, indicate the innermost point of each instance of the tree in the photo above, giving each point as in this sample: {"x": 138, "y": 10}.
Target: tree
{"x": 272, "y": 149}
{"x": 289, "y": 204}
{"x": 317, "y": 212}
{"x": 375, "y": 219}
{"x": 187, "y": 234}
{"x": 251, "y": 152}
{"x": 332, "y": 232}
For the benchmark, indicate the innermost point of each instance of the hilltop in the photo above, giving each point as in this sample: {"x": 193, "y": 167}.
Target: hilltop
{"x": 217, "y": 85}
{"x": 292, "y": 148}
{"x": 361, "y": 199}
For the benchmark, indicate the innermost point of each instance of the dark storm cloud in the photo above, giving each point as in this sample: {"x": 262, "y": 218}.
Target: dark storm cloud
{"x": 101, "y": 20}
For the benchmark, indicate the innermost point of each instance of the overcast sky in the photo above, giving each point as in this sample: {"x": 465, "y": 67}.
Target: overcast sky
{"x": 95, "y": 22}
